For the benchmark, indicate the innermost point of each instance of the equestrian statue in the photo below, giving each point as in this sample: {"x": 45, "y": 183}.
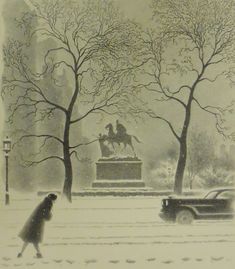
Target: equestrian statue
{"x": 119, "y": 137}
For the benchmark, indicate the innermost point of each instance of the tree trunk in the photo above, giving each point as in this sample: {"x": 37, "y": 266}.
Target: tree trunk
{"x": 179, "y": 175}
{"x": 67, "y": 189}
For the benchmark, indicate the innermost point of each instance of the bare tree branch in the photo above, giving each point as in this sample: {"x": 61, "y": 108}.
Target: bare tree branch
{"x": 217, "y": 112}
{"x": 32, "y": 163}
{"x": 83, "y": 160}
{"x": 83, "y": 144}
{"x": 40, "y": 136}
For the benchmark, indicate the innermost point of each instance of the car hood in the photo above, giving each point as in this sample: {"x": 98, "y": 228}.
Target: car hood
{"x": 184, "y": 198}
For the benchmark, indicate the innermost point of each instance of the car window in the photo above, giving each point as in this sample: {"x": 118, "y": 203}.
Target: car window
{"x": 211, "y": 195}
{"x": 229, "y": 194}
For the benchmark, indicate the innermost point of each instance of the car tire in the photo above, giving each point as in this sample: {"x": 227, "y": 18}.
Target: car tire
{"x": 184, "y": 217}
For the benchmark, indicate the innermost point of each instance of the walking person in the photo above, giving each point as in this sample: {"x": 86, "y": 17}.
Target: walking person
{"x": 32, "y": 232}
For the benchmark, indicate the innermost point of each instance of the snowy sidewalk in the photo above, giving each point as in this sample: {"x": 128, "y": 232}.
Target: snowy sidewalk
{"x": 122, "y": 257}
{"x": 121, "y": 233}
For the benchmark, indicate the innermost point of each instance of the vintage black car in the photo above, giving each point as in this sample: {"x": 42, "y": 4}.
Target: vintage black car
{"x": 217, "y": 204}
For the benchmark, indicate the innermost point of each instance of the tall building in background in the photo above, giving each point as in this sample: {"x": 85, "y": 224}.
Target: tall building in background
{"x": 19, "y": 176}
{"x": 49, "y": 174}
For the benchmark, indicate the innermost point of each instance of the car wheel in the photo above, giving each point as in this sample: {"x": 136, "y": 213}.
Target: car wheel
{"x": 184, "y": 216}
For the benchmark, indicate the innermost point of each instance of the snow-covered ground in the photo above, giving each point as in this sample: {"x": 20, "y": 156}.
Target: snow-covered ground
{"x": 115, "y": 233}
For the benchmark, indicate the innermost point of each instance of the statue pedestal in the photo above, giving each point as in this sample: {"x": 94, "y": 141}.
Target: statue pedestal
{"x": 118, "y": 173}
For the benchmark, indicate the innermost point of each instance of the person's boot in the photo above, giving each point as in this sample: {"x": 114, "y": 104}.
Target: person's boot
{"x": 19, "y": 255}
{"x": 39, "y": 255}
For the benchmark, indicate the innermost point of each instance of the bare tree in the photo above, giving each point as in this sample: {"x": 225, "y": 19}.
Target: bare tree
{"x": 189, "y": 49}
{"x": 93, "y": 45}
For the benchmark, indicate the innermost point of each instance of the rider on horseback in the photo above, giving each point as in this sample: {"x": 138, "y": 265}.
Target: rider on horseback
{"x": 120, "y": 136}
{"x": 121, "y": 130}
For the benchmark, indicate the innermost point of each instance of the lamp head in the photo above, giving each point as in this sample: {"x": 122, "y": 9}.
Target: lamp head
{"x": 7, "y": 145}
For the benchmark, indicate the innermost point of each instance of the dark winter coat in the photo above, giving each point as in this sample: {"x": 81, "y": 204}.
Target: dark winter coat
{"x": 32, "y": 231}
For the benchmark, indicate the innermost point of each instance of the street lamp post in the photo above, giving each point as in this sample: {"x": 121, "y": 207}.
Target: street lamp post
{"x": 7, "y": 149}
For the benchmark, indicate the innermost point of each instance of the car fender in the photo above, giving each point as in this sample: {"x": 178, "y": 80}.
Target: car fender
{"x": 190, "y": 208}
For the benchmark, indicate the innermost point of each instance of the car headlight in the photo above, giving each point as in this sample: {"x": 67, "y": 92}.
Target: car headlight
{"x": 165, "y": 202}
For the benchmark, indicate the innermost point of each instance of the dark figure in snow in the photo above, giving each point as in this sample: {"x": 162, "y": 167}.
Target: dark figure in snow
{"x": 32, "y": 231}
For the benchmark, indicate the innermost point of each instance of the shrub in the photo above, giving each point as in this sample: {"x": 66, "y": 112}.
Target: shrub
{"x": 162, "y": 177}
{"x": 217, "y": 178}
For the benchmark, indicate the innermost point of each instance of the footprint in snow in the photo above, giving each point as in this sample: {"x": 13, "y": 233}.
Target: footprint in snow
{"x": 70, "y": 261}
{"x": 58, "y": 261}
{"x": 185, "y": 259}
{"x": 151, "y": 259}
{"x": 30, "y": 264}
{"x": 130, "y": 261}
{"x": 199, "y": 259}
{"x": 6, "y": 258}
{"x": 90, "y": 261}
{"x": 217, "y": 258}
{"x": 167, "y": 261}
{"x": 114, "y": 261}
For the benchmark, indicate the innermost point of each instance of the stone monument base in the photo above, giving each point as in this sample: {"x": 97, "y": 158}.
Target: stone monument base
{"x": 118, "y": 184}
{"x": 118, "y": 173}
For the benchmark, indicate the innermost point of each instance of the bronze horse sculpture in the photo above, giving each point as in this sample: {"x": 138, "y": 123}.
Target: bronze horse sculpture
{"x": 122, "y": 138}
